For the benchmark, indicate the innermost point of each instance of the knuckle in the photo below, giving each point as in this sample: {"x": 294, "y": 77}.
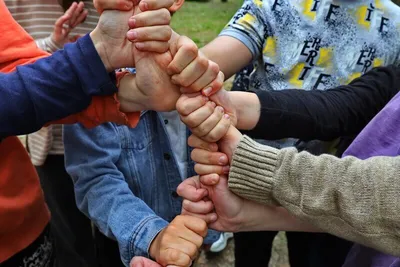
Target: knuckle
{"x": 167, "y": 33}
{"x": 203, "y": 62}
{"x": 165, "y": 15}
{"x": 192, "y": 249}
{"x": 186, "y": 204}
{"x": 214, "y": 67}
{"x": 190, "y": 49}
{"x": 185, "y": 82}
{"x": 174, "y": 68}
{"x": 213, "y": 137}
{"x": 192, "y": 141}
{"x": 173, "y": 255}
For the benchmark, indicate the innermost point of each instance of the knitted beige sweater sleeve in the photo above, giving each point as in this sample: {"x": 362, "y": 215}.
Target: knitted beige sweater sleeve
{"x": 358, "y": 200}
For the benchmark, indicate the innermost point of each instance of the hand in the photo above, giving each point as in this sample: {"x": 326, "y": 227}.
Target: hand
{"x": 203, "y": 117}
{"x": 222, "y": 210}
{"x": 143, "y": 262}
{"x": 74, "y": 16}
{"x": 122, "y": 5}
{"x": 178, "y": 244}
{"x": 109, "y": 37}
{"x": 191, "y": 69}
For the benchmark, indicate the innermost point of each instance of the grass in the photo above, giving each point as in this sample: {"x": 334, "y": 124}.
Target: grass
{"x": 202, "y": 21}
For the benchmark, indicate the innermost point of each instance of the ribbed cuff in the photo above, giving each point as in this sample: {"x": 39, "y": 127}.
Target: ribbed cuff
{"x": 252, "y": 171}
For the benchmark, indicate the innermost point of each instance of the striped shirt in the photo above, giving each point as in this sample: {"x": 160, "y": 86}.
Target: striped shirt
{"x": 37, "y": 17}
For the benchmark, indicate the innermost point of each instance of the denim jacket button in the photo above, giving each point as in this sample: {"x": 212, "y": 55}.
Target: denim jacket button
{"x": 166, "y": 121}
{"x": 167, "y": 156}
{"x": 174, "y": 194}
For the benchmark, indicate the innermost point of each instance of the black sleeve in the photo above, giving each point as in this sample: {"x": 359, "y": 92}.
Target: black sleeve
{"x": 326, "y": 115}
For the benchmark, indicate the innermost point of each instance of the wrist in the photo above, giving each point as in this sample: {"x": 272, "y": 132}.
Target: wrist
{"x": 248, "y": 109}
{"x": 100, "y": 47}
{"x": 131, "y": 99}
{"x": 155, "y": 246}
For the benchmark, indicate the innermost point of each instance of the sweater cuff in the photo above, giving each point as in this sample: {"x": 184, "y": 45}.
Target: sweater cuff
{"x": 252, "y": 171}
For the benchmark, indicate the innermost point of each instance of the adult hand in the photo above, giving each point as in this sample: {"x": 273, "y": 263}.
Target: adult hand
{"x": 152, "y": 26}
{"x": 143, "y": 262}
{"x": 178, "y": 244}
{"x": 74, "y": 16}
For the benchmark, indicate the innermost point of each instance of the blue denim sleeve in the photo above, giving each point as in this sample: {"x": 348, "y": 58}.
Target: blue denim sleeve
{"x": 52, "y": 88}
{"x": 102, "y": 192}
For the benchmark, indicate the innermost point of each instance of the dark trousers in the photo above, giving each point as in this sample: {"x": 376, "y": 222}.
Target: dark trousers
{"x": 38, "y": 254}
{"x": 75, "y": 244}
{"x": 305, "y": 249}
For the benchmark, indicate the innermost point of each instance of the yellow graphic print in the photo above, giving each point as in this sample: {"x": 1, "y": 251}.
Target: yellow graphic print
{"x": 325, "y": 57}
{"x": 258, "y": 3}
{"x": 378, "y": 62}
{"x": 247, "y": 20}
{"x": 270, "y": 49}
{"x": 294, "y": 75}
{"x": 361, "y": 15}
{"x": 353, "y": 76}
{"x": 379, "y": 5}
{"x": 308, "y": 6}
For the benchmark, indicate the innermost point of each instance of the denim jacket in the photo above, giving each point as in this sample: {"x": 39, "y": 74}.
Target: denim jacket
{"x": 125, "y": 180}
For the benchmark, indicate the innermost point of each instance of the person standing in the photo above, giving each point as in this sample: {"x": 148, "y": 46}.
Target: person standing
{"x": 53, "y": 23}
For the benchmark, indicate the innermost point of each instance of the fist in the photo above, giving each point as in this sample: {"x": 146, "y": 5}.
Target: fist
{"x": 178, "y": 244}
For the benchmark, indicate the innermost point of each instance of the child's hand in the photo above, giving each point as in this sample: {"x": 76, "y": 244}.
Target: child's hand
{"x": 208, "y": 120}
{"x": 74, "y": 16}
{"x": 191, "y": 69}
{"x": 178, "y": 244}
{"x": 208, "y": 161}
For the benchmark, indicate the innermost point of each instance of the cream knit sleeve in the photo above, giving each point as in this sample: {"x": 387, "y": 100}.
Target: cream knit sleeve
{"x": 358, "y": 200}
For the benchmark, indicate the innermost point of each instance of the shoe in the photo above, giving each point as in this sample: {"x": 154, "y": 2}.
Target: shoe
{"x": 220, "y": 244}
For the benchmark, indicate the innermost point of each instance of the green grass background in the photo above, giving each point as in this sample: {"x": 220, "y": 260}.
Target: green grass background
{"x": 202, "y": 21}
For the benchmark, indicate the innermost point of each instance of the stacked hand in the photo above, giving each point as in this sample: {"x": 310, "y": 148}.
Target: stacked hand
{"x": 163, "y": 72}
{"x": 207, "y": 196}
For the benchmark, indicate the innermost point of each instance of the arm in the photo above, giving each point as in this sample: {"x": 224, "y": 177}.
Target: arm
{"x": 102, "y": 192}
{"x": 241, "y": 41}
{"x": 60, "y": 36}
{"x": 351, "y": 198}
{"x": 30, "y": 98}
{"x": 229, "y": 53}
{"x": 323, "y": 115}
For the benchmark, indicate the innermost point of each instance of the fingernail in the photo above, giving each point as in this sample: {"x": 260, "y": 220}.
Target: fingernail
{"x": 220, "y": 109}
{"x": 132, "y": 23}
{"x": 132, "y": 35}
{"x": 207, "y": 91}
{"x": 226, "y": 169}
{"x": 139, "y": 45}
{"x": 226, "y": 116}
{"x": 212, "y": 104}
{"x": 145, "y": 6}
{"x": 223, "y": 160}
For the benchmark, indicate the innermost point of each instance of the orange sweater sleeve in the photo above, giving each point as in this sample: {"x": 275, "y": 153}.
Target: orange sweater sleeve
{"x": 18, "y": 48}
